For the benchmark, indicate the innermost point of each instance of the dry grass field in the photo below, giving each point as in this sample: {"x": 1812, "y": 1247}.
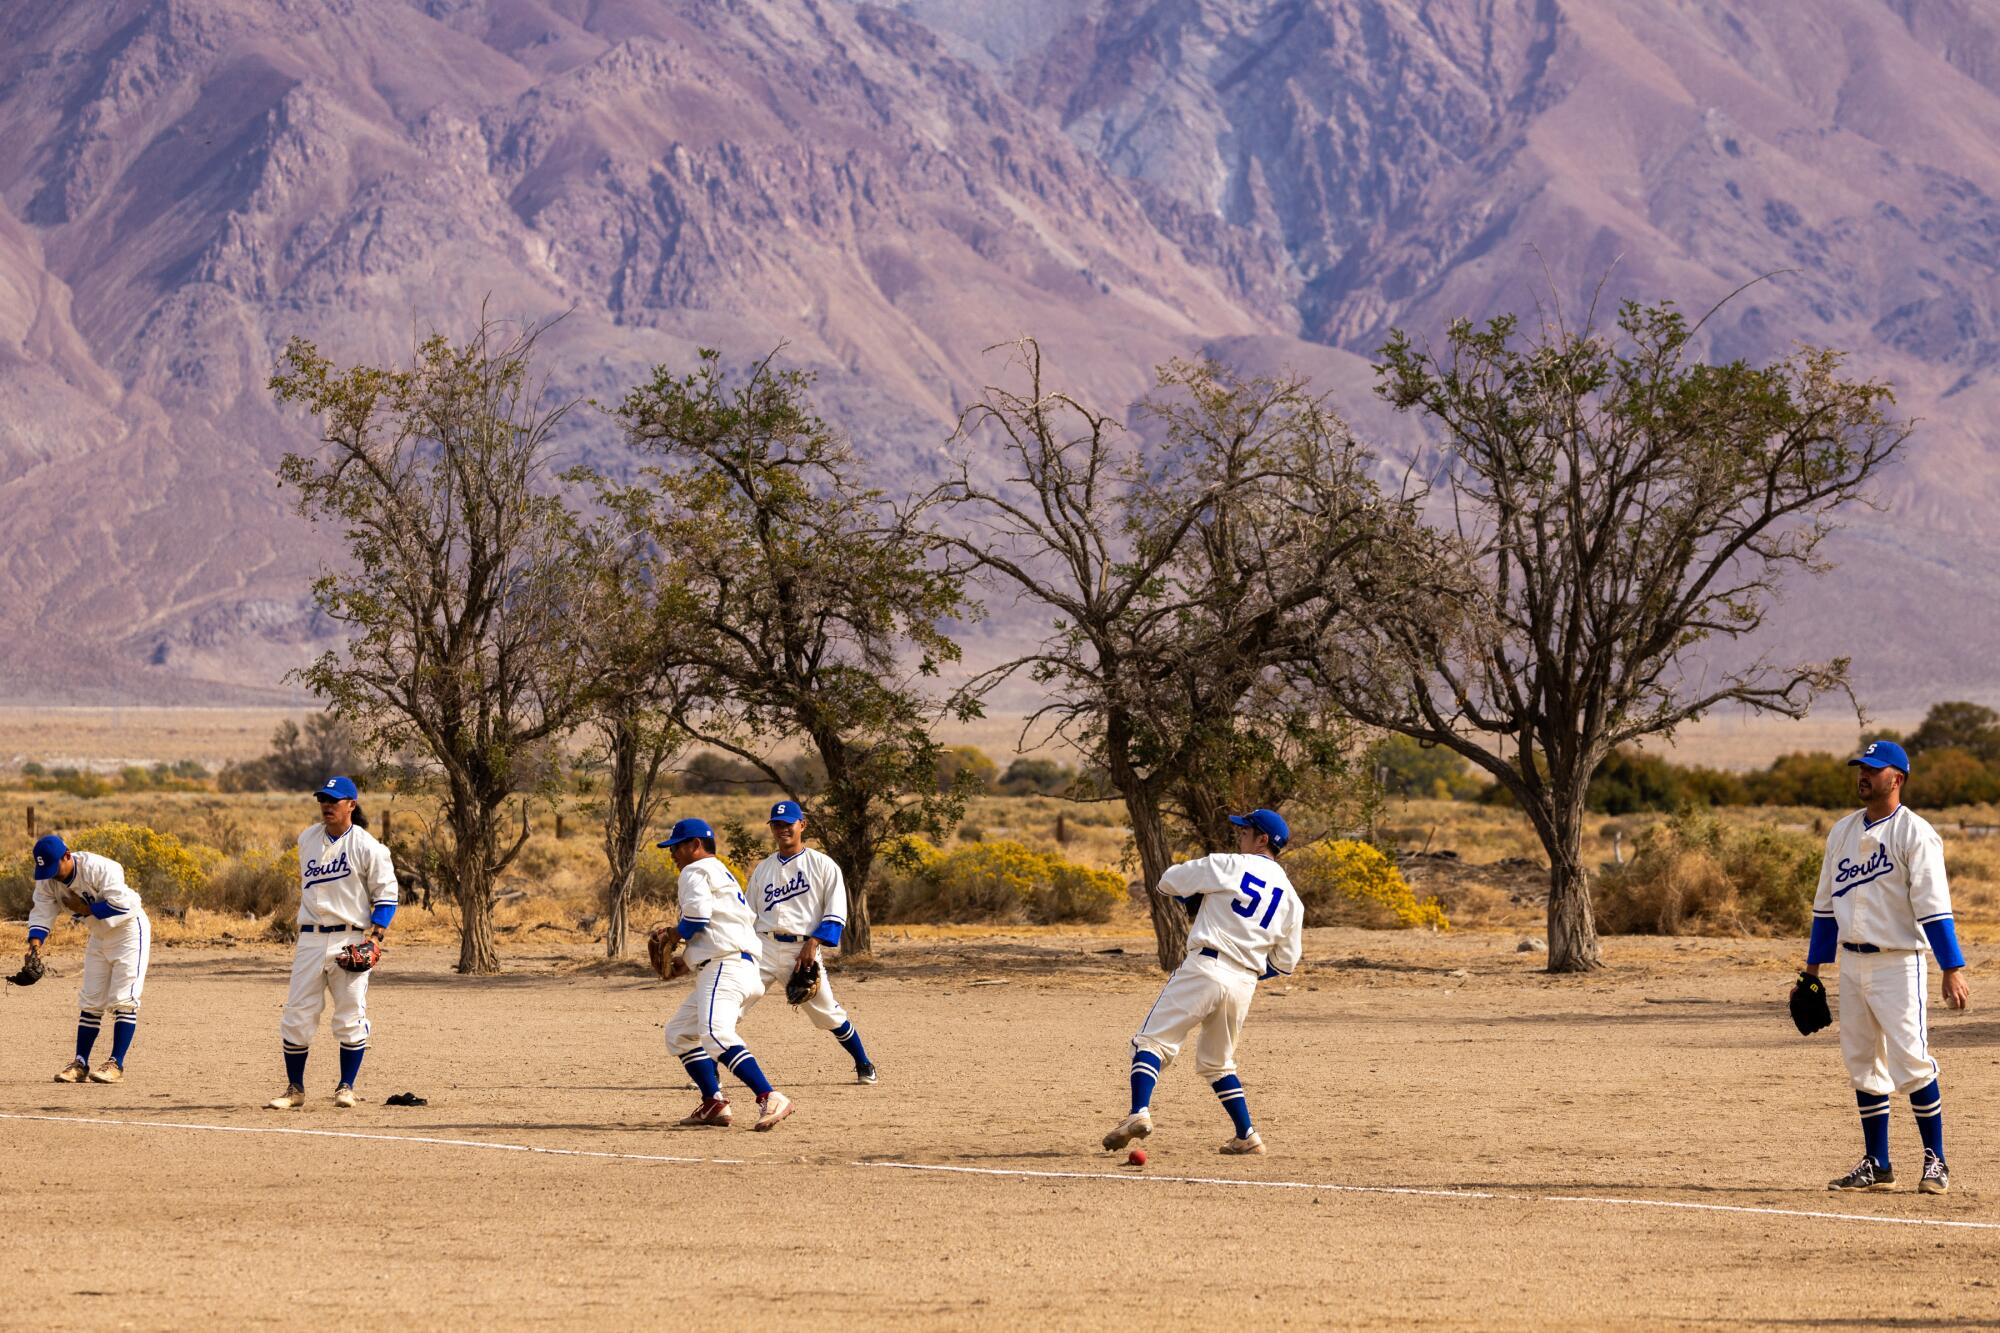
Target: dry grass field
{"x": 1456, "y": 1140}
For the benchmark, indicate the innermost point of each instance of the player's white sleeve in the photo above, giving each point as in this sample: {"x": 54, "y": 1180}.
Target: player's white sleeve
{"x": 1192, "y": 878}
{"x": 44, "y": 911}
{"x": 696, "y": 903}
{"x": 833, "y": 903}
{"x": 1285, "y": 953}
{"x": 118, "y": 902}
{"x": 381, "y": 877}
{"x": 1930, "y": 894}
{"x": 1823, "y": 896}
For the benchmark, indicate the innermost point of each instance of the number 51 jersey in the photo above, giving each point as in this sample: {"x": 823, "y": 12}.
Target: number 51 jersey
{"x": 1250, "y": 913}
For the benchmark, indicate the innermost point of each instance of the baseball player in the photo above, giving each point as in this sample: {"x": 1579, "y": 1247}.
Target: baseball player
{"x": 721, "y": 935}
{"x": 800, "y": 898}
{"x": 93, "y": 887}
{"x": 1247, "y": 919}
{"x": 347, "y": 898}
{"x": 1882, "y": 902}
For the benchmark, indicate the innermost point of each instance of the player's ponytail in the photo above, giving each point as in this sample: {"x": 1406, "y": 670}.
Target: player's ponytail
{"x": 360, "y": 817}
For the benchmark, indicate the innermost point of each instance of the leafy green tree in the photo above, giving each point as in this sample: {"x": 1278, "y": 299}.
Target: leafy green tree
{"x": 968, "y": 765}
{"x": 813, "y": 619}
{"x": 1968, "y": 726}
{"x": 1618, "y": 501}
{"x": 1816, "y": 779}
{"x": 1037, "y": 777}
{"x": 460, "y": 599}
{"x": 1408, "y": 768}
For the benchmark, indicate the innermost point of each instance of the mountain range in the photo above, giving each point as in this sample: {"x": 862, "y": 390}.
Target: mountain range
{"x": 889, "y": 191}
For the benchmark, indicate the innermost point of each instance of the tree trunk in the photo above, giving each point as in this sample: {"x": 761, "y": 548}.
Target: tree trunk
{"x": 1149, "y": 832}
{"x": 472, "y": 862}
{"x": 1573, "y": 943}
{"x": 621, "y": 837}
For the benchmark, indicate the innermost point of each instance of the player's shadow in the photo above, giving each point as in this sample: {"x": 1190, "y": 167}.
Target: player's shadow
{"x": 1065, "y": 1154}
{"x": 1854, "y": 1321}
{"x": 1775, "y": 1194}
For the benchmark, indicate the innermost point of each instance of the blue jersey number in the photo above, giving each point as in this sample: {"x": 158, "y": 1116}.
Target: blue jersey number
{"x": 1253, "y": 894}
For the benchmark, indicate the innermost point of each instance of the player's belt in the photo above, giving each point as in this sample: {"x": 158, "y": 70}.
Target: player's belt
{"x": 1859, "y": 948}
{"x": 327, "y": 930}
{"x": 1210, "y": 953}
{"x": 706, "y": 961}
{"x": 785, "y": 939}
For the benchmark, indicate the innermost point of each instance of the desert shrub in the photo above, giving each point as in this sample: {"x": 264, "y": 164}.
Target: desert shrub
{"x": 17, "y": 887}
{"x": 1818, "y": 779}
{"x": 1346, "y": 883}
{"x": 1696, "y": 875}
{"x": 970, "y": 762}
{"x": 1630, "y": 781}
{"x": 1031, "y": 777}
{"x": 1000, "y": 881}
{"x": 1408, "y": 768}
{"x": 165, "y": 871}
{"x": 72, "y": 782}
{"x": 259, "y": 882}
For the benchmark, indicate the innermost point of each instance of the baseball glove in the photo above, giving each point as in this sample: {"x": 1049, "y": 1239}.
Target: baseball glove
{"x": 803, "y": 984}
{"x": 32, "y": 970}
{"x": 360, "y": 957}
{"x": 661, "y": 942}
{"x": 1809, "y": 1010}
{"x": 73, "y": 903}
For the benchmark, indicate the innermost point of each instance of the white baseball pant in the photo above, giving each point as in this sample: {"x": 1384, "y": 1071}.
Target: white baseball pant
{"x": 776, "y": 964}
{"x": 1882, "y": 1021}
{"x": 114, "y": 966}
{"x": 314, "y": 977}
{"x": 1209, "y": 993}
{"x": 723, "y": 988}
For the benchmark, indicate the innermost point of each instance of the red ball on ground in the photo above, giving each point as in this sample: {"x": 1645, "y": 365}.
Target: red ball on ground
{"x": 1137, "y": 1157}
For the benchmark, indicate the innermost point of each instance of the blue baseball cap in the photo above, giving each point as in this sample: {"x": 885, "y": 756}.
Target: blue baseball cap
{"x": 686, "y": 829}
{"x": 49, "y": 852}
{"x": 1883, "y": 754}
{"x": 338, "y": 789}
{"x": 786, "y": 812}
{"x": 1268, "y": 823}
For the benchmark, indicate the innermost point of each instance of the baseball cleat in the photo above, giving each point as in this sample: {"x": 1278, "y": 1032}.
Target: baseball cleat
{"x": 864, "y": 1074}
{"x": 293, "y": 1098}
{"x": 1936, "y": 1179}
{"x": 714, "y": 1111}
{"x": 76, "y": 1071}
{"x": 1865, "y": 1176}
{"x": 343, "y": 1095}
{"x": 108, "y": 1072}
{"x": 1135, "y": 1126}
{"x": 1250, "y": 1144}
{"x": 773, "y": 1109}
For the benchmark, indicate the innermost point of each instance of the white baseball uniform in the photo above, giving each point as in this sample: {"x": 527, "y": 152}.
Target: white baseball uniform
{"x": 121, "y": 936}
{"x": 723, "y": 954}
{"x": 341, "y": 882}
{"x": 1883, "y": 898}
{"x": 1248, "y": 927}
{"x": 799, "y": 898}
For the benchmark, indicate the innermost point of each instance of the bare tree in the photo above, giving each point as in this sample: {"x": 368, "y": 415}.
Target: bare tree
{"x": 460, "y": 599}
{"x": 1618, "y": 502}
{"x": 1181, "y": 575}
{"x": 812, "y": 618}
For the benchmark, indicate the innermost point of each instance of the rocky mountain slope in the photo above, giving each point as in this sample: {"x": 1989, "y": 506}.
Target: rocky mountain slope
{"x": 888, "y": 191}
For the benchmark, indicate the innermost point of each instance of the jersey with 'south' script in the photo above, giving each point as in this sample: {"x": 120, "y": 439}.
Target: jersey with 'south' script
{"x": 1882, "y": 883}
{"x": 797, "y": 895}
{"x": 343, "y": 879}
{"x": 1250, "y": 913}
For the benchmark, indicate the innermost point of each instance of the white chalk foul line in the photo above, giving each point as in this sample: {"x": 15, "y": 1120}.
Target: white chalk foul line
{"x": 1602, "y": 1201}
{"x": 487, "y": 1144}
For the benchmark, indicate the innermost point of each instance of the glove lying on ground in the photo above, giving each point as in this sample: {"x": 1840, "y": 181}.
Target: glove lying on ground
{"x": 1809, "y": 1009}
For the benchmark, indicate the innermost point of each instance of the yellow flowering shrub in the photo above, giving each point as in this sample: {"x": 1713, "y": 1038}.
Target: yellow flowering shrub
{"x": 999, "y": 881}
{"x": 1348, "y": 883}
{"x": 166, "y": 871}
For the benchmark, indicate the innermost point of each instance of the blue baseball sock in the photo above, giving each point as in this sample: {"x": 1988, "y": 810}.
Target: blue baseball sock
{"x": 1230, "y": 1089}
{"x": 86, "y": 1033}
{"x": 850, "y": 1041}
{"x": 742, "y": 1064}
{"x": 704, "y": 1073}
{"x": 1145, "y": 1074}
{"x": 1928, "y": 1103}
{"x": 295, "y": 1064}
{"x": 350, "y": 1062}
{"x": 122, "y": 1032}
{"x": 1875, "y": 1124}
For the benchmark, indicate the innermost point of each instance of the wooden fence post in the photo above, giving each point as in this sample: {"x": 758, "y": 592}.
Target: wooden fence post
{"x": 31, "y": 823}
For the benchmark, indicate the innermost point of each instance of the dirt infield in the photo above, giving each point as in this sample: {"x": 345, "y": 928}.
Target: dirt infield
{"x": 1456, "y": 1139}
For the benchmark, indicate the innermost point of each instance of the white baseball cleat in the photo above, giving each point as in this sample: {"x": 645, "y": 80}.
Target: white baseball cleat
{"x": 773, "y": 1109}
{"x": 1135, "y": 1126}
{"x": 343, "y": 1095}
{"x": 108, "y": 1072}
{"x": 1250, "y": 1144}
{"x": 293, "y": 1098}
{"x": 76, "y": 1071}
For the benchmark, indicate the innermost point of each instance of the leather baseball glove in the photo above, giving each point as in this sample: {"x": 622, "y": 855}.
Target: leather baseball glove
{"x": 360, "y": 957}
{"x": 1809, "y": 1008}
{"x": 32, "y": 970}
{"x": 803, "y": 984}
{"x": 661, "y": 942}
{"x": 73, "y": 903}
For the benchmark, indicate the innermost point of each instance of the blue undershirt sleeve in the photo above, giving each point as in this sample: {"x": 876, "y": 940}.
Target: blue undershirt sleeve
{"x": 383, "y": 914}
{"x": 104, "y": 911}
{"x": 1944, "y": 943}
{"x": 1825, "y": 938}
{"x": 689, "y": 929}
{"x": 828, "y": 934}
{"x": 38, "y": 933}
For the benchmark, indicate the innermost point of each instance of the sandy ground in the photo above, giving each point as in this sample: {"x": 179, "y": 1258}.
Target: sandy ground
{"x": 1643, "y": 1148}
